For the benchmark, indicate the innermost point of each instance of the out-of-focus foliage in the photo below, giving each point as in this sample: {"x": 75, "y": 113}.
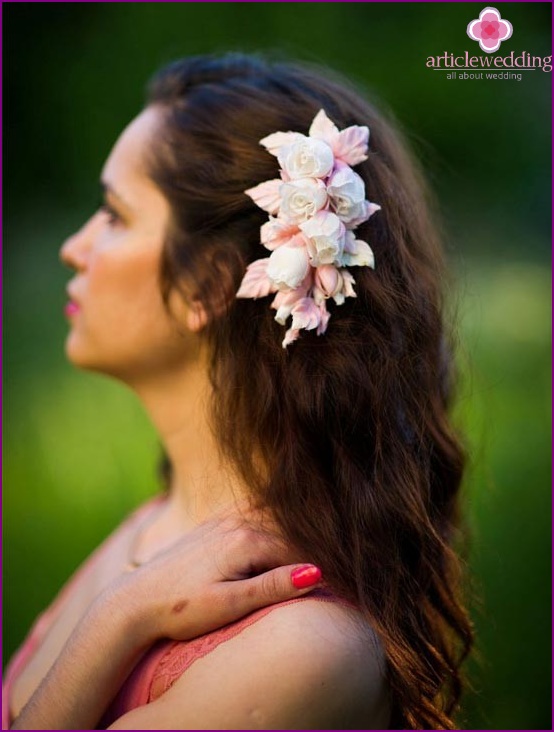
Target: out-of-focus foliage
{"x": 79, "y": 453}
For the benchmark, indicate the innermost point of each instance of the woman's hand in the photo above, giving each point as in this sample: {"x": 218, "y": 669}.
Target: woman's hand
{"x": 216, "y": 574}
{"x": 202, "y": 582}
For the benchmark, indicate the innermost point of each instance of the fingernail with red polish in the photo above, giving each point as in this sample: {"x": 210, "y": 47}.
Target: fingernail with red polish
{"x": 305, "y": 576}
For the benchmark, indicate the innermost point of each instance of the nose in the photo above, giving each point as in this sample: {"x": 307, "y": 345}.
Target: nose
{"x": 75, "y": 250}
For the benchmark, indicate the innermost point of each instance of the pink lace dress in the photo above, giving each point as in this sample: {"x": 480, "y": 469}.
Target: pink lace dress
{"x": 159, "y": 667}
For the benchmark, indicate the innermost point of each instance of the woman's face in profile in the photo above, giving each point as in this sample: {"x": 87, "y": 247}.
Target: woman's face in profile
{"x": 118, "y": 323}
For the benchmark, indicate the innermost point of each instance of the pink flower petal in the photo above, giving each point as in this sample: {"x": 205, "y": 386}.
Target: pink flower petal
{"x": 351, "y": 145}
{"x": 255, "y": 282}
{"x": 284, "y": 302}
{"x": 289, "y": 297}
{"x": 318, "y": 295}
{"x": 367, "y": 210}
{"x": 266, "y": 195}
{"x": 286, "y": 298}
{"x": 348, "y": 282}
{"x": 359, "y": 253}
{"x": 306, "y": 314}
{"x": 276, "y": 232}
{"x": 298, "y": 240}
{"x": 373, "y": 208}
{"x": 324, "y": 129}
{"x": 325, "y": 315}
{"x": 290, "y": 336}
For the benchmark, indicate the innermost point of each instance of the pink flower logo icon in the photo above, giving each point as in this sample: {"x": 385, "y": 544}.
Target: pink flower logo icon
{"x": 489, "y": 29}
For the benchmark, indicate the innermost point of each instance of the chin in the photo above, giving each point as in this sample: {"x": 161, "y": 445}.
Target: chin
{"x": 84, "y": 355}
{"x": 74, "y": 349}
{"x": 79, "y": 353}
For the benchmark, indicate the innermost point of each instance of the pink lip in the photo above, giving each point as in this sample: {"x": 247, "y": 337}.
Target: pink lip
{"x": 71, "y": 309}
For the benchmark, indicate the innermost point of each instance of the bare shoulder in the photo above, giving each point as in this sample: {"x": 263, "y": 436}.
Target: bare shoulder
{"x": 330, "y": 660}
{"x": 317, "y": 633}
{"x": 305, "y": 665}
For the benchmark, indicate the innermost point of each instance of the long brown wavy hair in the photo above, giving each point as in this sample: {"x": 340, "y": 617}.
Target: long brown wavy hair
{"x": 362, "y": 466}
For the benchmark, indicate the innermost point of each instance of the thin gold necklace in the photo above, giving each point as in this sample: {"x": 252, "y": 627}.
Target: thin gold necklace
{"x": 132, "y": 562}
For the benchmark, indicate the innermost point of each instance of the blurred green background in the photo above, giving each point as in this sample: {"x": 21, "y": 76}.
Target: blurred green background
{"x": 78, "y": 451}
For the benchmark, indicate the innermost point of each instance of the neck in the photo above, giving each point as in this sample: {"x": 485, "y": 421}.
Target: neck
{"x": 201, "y": 483}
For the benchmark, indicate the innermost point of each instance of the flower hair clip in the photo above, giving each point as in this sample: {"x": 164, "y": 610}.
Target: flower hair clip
{"x": 314, "y": 208}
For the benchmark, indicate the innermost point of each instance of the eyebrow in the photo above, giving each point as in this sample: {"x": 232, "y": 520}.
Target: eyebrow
{"x": 107, "y": 188}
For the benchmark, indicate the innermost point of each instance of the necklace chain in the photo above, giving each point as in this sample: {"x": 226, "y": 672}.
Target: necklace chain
{"x": 132, "y": 563}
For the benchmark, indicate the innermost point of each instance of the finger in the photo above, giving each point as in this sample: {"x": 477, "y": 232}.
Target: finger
{"x": 277, "y": 585}
{"x": 244, "y": 552}
{"x": 266, "y": 553}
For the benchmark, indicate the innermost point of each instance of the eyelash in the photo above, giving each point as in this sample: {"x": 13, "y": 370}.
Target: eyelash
{"x": 106, "y": 208}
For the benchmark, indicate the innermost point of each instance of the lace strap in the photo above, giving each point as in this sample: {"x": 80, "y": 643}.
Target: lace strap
{"x": 180, "y": 655}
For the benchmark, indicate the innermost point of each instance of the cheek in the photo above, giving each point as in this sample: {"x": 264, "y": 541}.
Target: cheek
{"x": 123, "y": 303}
{"x": 122, "y": 283}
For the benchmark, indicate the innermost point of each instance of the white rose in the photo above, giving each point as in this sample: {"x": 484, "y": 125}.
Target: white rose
{"x": 347, "y": 193}
{"x": 302, "y": 198}
{"x": 325, "y": 233}
{"x": 306, "y": 158}
{"x": 288, "y": 266}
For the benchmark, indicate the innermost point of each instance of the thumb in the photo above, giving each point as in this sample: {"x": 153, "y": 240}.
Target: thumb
{"x": 277, "y": 585}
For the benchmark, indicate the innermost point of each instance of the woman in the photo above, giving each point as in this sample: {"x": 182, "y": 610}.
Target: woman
{"x": 320, "y": 450}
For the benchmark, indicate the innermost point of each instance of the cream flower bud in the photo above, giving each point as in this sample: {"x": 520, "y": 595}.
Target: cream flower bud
{"x": 328, "y": 279}
{"x": 288, "y": 266}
